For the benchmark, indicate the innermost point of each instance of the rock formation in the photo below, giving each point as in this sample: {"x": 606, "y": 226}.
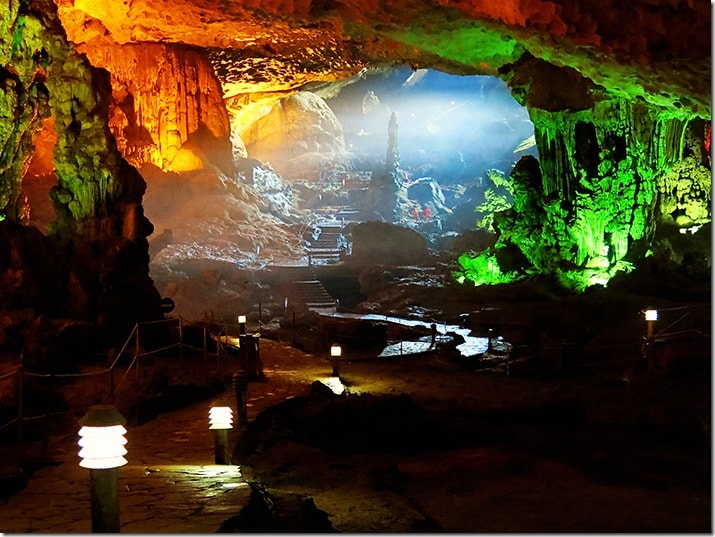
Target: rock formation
{"x": 619, "y": 94}
{"x": 98, "y": 247}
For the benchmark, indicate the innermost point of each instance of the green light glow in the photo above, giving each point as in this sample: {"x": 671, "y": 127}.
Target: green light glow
{"x": 579, "y": 280}
{"x": 577, "y": 212}
{"x": 496, "y": 198}
{"x": 17, "y": 34}
{"x": 468, "y": 42}
{"x": 482, "y": 269}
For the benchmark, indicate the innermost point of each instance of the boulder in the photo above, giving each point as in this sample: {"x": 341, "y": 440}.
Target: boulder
{"x": 388, "y": 244}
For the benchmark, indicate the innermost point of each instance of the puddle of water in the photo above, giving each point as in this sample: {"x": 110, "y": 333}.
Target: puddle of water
{"x": 472, "y": 346}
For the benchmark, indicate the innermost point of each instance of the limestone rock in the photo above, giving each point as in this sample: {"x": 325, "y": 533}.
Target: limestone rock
{"x": 298, "y": 125}
{"x": 383, "y": 243}
{"x": 169, "y": 111}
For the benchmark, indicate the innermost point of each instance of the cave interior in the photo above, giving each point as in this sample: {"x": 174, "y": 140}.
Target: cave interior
{"x": 535, "y": 170}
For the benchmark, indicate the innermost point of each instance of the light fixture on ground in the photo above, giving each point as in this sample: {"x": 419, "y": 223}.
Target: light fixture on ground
{"x": 220, "y": 421}
{"x": 242, "y": 324}
{"x": 102, "y": 442}
{"x": 651, "y": 316}
{"x": 335, "y": 352}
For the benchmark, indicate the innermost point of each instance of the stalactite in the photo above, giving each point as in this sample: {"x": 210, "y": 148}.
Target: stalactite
{"x": 601, "y": 170}
{"x": 169, "y": 110}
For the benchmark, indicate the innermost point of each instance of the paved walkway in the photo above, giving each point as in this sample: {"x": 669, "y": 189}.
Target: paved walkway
{"x": 170, "y": 484}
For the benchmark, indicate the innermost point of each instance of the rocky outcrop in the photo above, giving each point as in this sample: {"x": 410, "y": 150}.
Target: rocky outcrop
{"x": 168, "y": 109}
{"x": 388, "y": 244}
{"x": 294, "y": 127}
{"x": 97, "y": 249}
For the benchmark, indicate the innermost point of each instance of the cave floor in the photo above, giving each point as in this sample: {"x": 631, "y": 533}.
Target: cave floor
{"x": 423, "y": 446}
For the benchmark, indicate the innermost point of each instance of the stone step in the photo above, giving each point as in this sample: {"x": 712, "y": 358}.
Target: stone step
{"x": 312, "y": 293}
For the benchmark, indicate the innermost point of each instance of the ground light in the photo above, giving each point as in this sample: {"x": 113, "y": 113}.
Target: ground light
{"x": 334, "y": 384}
{"x": 102, "y": 442}
{"x": 335, "y": 352}
{"x": 651, "y": 316}
{"x": 220, "y": 421}
{"x": 242, "y": 324}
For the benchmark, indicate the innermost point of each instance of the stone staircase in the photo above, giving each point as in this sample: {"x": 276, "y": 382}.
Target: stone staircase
{"x": 330, "y": 241}
{"x": 304, "y": 287}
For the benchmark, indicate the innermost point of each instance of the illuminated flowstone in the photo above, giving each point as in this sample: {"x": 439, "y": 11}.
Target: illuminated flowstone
{"x": 577, "y": 214}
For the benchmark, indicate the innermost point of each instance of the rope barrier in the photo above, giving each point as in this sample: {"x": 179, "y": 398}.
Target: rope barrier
{"x": 11, "y": 373}
{"x": 698, "y": 331}
{"x": 147, "y": 353}
{"x": 680, "y": 332}
{"x": 679, "y": 308}
{"x": 129, "y": 338}
{"x": 64, "y": 375}
{"x": 191, "y": 347}
{"x": 43, "y": 416}
{"x": 162, "y": 321}
{"x": 128, "y": 370}
{"x": 12, "y": 421}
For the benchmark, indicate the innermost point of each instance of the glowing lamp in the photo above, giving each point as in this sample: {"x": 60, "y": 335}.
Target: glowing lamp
{"x": 651, "y": 316}
{"x": 102, "y": 438}
{"x": 335, "y": 352}
{"x": 220, "y": 417}
{"x": 102, "y": 442}
{"x": 102, "y": 447}
{"x": 220, "y": 421}
{"x": 242, "y": 324}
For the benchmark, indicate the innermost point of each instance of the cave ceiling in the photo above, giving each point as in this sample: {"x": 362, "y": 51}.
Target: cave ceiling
{"x": 131, "y": 92}
{"x": 657, "y": 51}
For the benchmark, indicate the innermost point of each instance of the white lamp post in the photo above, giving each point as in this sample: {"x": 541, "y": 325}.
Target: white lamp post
{"x": 335, "y": 352}
{"x": 102, "y": 442}
{"x": 651, "y": 316}
{"x": 242, "y": 324}
{"x": 220, "y": 421}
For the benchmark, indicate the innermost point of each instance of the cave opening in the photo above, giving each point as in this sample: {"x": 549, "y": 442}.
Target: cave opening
{"x": 313, "y": 156}
{"x": 452, "y": 128}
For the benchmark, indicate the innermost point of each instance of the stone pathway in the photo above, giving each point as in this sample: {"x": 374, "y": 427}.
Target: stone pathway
{"x": 170, "y": 485}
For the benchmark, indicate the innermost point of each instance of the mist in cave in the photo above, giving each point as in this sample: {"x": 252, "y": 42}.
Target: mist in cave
{"x": 314, "y": 157}
{"x": 451, "y": 128}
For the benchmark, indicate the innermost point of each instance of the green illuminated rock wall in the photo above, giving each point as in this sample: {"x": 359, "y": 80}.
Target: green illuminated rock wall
{"x": 589, "y": 209}
{"x": 24, "y": 97}
{"x": 100, "y": 231}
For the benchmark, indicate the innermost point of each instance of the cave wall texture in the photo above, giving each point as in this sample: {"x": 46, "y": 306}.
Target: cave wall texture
{"x": 619, "y": 94}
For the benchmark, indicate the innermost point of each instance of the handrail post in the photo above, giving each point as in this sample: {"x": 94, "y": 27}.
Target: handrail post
{"x": 20, "y": 404}
{"x": 136, "y": 349}
{"x": 181, "y": 341}
{"x": 111, "y": 385}
{"x": 205, "y": 343}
